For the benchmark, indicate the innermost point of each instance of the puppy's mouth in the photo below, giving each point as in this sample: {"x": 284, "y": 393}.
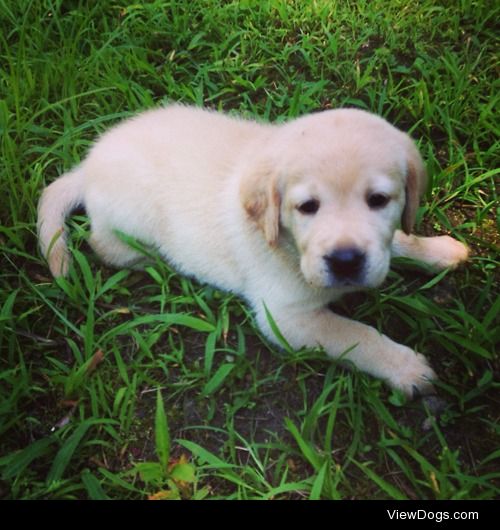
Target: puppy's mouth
{"x": 351, "y": 285}
{"x": 346, "y": 283}
{"x": 328, "y": 281}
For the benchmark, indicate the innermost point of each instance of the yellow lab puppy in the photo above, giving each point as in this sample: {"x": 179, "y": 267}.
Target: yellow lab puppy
{"x": 288, "y": 216}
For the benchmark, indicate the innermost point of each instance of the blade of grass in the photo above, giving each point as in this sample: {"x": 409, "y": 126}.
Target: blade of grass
{"x": 93, "y": 486}
{"x": 319, "y": 481}
{"x": 162, "y": 435}
{"x": 65, "y": 453}
{"x": 17, "y": 462}
{"x": 391, "y": 490}
{"x": 217, "y": 379}
{"x": 304, "y": 446}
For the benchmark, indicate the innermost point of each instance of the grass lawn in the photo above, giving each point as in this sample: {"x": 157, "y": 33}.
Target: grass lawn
{"x": 127, "y": 384}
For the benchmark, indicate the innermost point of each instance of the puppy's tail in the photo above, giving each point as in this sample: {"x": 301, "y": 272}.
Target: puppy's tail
{"x": 57, "y": 202}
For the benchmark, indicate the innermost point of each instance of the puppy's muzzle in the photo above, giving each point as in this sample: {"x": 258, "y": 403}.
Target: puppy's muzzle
{"x": 346, "y": 264}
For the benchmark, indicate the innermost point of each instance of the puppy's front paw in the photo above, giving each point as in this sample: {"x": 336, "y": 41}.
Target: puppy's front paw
{"x": 413, "y": 376}
{"x": 447, "y": 252}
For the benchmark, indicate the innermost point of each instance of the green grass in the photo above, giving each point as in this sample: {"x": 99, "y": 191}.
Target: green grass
{"x": 82, "y": 359}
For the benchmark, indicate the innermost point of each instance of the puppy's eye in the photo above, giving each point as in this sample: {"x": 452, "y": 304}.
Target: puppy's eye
{"x": 309, "y": 207}
{"x": 377, "y": 201}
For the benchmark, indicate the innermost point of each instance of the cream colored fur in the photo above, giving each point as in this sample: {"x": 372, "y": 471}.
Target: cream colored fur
{"x": 219, "y": 197}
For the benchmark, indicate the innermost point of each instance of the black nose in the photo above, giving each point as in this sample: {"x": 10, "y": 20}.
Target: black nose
{"x": 346, "y": 263}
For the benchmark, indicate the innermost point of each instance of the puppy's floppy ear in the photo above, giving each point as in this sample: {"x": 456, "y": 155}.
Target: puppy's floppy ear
{"x": 416, "y": 180}
{"x": 261, "y": 200}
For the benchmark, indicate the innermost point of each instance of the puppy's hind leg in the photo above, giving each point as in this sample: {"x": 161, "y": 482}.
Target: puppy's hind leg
{"x": 112, "y": 250}
{"x": 440, "y": 252}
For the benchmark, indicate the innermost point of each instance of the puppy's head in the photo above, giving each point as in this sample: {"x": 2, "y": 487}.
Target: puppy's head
{"x": 337, "y": 184}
